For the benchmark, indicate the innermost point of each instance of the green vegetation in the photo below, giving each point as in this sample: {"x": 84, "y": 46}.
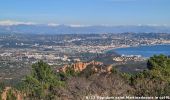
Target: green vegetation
{"x": 44, "y": 84}
{"x": 159, "y": 67}
{"x": 69, "y": 73}
{"x": 40, "y": 83}
{"x": 156, "y": 80}
{"x": 10, "y": 95}
{"x": 2, "y": 86}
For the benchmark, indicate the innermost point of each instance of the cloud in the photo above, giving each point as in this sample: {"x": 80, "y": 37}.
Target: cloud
{"x": 76, "y": 25}
{"x": 53, "y": 24}
{"x": 10, "y": 22}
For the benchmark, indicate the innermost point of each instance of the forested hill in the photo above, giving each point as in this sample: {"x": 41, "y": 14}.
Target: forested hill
{"x": 46, "y": 84}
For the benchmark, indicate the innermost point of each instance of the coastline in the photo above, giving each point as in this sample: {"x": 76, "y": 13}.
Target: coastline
{"x": 128, "y": 46}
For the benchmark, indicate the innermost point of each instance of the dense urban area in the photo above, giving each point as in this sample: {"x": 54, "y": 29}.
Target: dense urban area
{"x": 18, "y": 52}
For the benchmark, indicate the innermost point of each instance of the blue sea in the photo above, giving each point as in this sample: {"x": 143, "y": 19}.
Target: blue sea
{"x": 145, "y": 51}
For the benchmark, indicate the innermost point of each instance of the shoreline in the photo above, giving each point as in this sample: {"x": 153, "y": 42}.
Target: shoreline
{"x": 123, "y": 47}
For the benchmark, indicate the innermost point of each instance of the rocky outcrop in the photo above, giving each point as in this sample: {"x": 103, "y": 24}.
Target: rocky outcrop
{"x": 80, "y": 66}
{"x": 16, "y": 93}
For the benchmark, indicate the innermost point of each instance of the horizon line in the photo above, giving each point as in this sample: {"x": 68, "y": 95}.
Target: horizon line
{"x": 13, "y": 22}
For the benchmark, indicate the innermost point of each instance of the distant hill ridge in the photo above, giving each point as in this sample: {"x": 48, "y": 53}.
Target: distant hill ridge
{"x": 70, "y": 29}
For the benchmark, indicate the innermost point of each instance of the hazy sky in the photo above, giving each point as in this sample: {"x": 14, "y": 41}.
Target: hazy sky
{"x": 87, "y": 12}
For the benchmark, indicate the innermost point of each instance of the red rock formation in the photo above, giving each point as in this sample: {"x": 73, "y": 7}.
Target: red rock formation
{"x": 17, "y": 94}
{"x": 80, "y": 66}
{"x": 109, "y": 68}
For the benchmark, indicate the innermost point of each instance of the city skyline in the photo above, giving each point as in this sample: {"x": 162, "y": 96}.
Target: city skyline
{"x": 86, "y": 12}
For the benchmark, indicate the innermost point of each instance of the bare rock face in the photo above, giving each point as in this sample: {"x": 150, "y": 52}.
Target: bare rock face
{"x": 16, "y": 93}
{"x": 109, "y": 68}
{"x": 80, "y": 66}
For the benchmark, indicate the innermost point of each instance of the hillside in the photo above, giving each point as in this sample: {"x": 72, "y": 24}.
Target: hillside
{"x": 80, "y": 81}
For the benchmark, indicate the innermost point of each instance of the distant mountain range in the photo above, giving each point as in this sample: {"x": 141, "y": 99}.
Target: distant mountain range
{"x": 68, "y": 29}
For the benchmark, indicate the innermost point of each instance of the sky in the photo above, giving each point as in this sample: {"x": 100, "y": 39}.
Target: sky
{"x": 86, "y": 12}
